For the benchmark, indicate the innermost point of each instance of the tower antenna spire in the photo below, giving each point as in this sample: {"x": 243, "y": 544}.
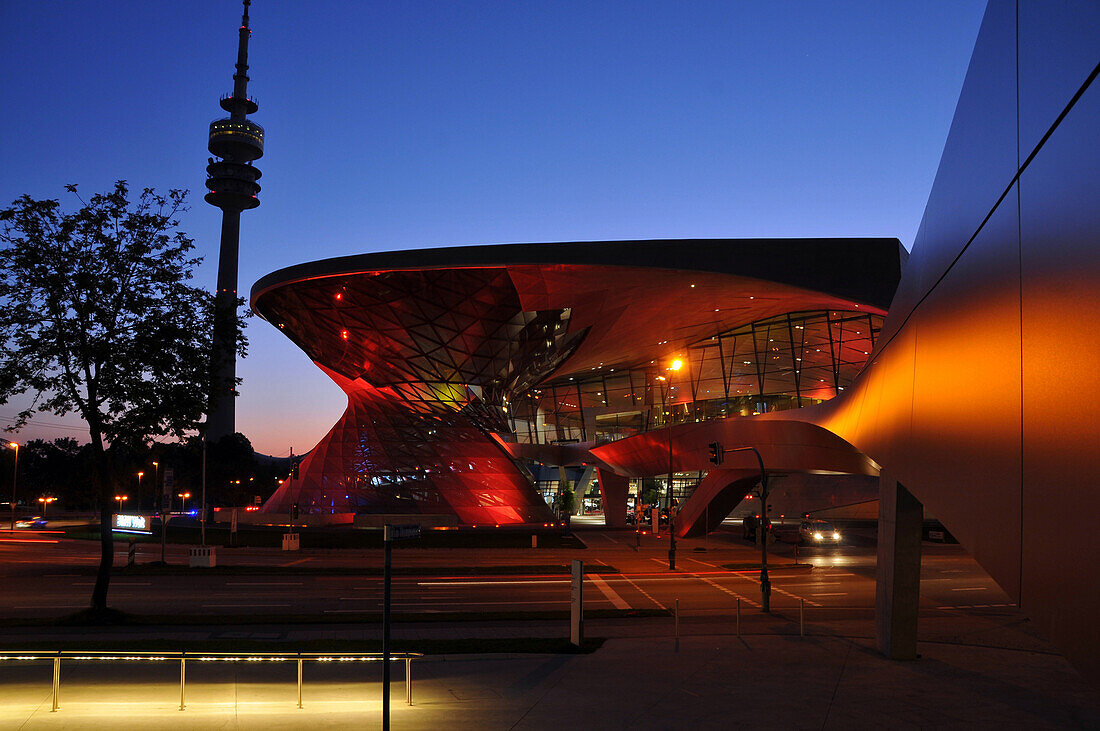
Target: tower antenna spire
{"x": 238, "y": 141}
{"x": 240, "y": 78}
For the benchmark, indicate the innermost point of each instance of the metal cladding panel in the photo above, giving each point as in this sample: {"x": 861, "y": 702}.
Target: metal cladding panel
{"x": 978, "y": 398}
{"x": 963, "y": 454}
{"x": 1047, "y": 81}
{"x": 1060, "y": 230}
{"x": 978, "y": 162}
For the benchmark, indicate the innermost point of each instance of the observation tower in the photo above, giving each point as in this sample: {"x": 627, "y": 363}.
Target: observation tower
{"x": 233, "y": 188}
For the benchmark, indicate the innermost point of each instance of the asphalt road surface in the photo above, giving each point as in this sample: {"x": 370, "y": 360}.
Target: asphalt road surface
{"x": 47, "y": 575}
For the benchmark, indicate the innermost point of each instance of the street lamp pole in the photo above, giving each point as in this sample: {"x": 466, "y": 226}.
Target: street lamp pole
{"x": 202, "y": 513}
{"x": 14, "y": 476}
{"x": 140, "y": 502}
{"x": 675, "y": 366}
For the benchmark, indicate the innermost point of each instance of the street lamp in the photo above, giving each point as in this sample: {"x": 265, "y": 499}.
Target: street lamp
{"x": 156, "y": 487}
{"x": 183, "y": 499}
{"x": 140, "y": 475}
{"x": 673, "y": 367}
{"x": 45, "y": 500}
{"x": 120, "y": 499}
{"x": 14, "y": 475}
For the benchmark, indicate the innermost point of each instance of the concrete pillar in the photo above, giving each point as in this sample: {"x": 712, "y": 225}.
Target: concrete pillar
{"x": 897, "y": 577}
{"x": 613, "y": 491}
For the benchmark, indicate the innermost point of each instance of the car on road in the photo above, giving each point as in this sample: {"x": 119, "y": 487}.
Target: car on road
{"x": 817, "y": 533}
{"x": 34, "y": 521}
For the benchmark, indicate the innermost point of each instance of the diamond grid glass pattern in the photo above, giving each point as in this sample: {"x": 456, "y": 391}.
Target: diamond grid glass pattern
{"x": 427, "y": 359}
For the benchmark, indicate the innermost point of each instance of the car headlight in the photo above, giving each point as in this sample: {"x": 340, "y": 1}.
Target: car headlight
{"x": 817, "y": 536}
{"x": 836, "y": 536}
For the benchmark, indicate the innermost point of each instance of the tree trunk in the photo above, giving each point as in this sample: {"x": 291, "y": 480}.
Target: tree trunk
{"x": 106, "y": 538}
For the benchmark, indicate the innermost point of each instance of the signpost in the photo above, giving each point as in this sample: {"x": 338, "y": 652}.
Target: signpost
{"x": 576, "y": 604}
{"x": 166, "y": 508}
{"x": 390, "y": 534}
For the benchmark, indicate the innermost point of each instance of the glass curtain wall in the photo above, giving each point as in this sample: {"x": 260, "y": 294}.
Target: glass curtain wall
{"x": 784, "y": 362}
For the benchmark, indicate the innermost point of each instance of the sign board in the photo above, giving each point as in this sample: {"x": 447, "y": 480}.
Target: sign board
{"x": 256, "y": 500}
{"x": 124, "y": 523}
{"x": 169, "y": 481}
{"x": 397, "y": 532}
{"x": 576, "y": 604}
{"x": 655, "y": 516}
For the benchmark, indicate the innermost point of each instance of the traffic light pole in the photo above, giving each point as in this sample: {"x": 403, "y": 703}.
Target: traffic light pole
{"x": 716, "y": 456}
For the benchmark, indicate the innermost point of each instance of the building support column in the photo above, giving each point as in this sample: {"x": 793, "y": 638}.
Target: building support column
{"x": 897, "y": 577}
{"x": 613, "y": 491}
{"x": 581, "y": 488}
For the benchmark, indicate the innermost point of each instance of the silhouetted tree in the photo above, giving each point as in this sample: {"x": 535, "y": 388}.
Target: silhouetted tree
{"x": 98, "y": 317}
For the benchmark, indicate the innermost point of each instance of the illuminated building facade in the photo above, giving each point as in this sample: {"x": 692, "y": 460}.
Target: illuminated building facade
{"x": 457, "y": 362}
{"x": 975, "y": 398}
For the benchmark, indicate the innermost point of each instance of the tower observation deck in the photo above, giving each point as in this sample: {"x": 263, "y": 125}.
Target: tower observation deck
{"x": 231, "y": 181}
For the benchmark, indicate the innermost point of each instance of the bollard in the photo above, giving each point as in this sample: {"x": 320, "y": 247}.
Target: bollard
{"x": 534, "y": 540}
{"x": 408, "y": 681}
{"x": 738, "y": 616}
{"x": 56, "y": 681}
{"x": 299, "y": 680}
{"x": 183, "y": 680}
{"x": 802, "y": 617}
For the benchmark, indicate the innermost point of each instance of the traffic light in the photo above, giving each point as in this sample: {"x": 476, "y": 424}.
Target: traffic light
{"x": 294, "y": 469}
{"x": 716, "y": 453}
{"x": 294, "y": 511}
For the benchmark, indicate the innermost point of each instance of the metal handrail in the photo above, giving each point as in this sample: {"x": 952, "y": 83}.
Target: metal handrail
{"x": 183, "y": 656}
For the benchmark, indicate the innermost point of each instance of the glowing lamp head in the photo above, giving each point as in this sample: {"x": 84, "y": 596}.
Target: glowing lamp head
{"x": 676, "y": 364}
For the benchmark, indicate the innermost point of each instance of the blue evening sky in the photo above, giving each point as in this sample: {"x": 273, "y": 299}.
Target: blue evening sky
{"x": 395, "y": 125}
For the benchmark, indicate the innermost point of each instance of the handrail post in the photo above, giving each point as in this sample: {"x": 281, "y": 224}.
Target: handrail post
{"x": 408, "y": 680}
{"x": 299, "y": 680}
{"x": 56, "y": 681}
{"x": 183, "y": 679}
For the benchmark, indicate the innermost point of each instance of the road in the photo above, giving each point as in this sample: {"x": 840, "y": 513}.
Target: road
{"x": 53, "y": 576}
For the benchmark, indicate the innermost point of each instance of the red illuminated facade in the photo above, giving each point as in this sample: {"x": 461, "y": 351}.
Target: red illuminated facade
{"x": 457, "y": 360}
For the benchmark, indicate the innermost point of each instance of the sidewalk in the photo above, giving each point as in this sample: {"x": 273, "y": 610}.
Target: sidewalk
{"x": 708, "y": 683}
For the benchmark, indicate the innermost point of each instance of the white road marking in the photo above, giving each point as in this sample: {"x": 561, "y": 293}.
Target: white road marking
{"x": 837, "y": 593}
{"x": 54, "y": 606}
{"x": 644, "y": 593}
{"x": 214, "y": 606}
{"x": 811, "y": 583}
{"x": 611, "y": 594}
{"x": 263, "y": 583}
{"x": 721, "y": 588}
{"x": 776, "y": 589}
{"x": 113, "y": 583}
{"x": 492, "y": 583}
{"x": 972, "y": 588}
